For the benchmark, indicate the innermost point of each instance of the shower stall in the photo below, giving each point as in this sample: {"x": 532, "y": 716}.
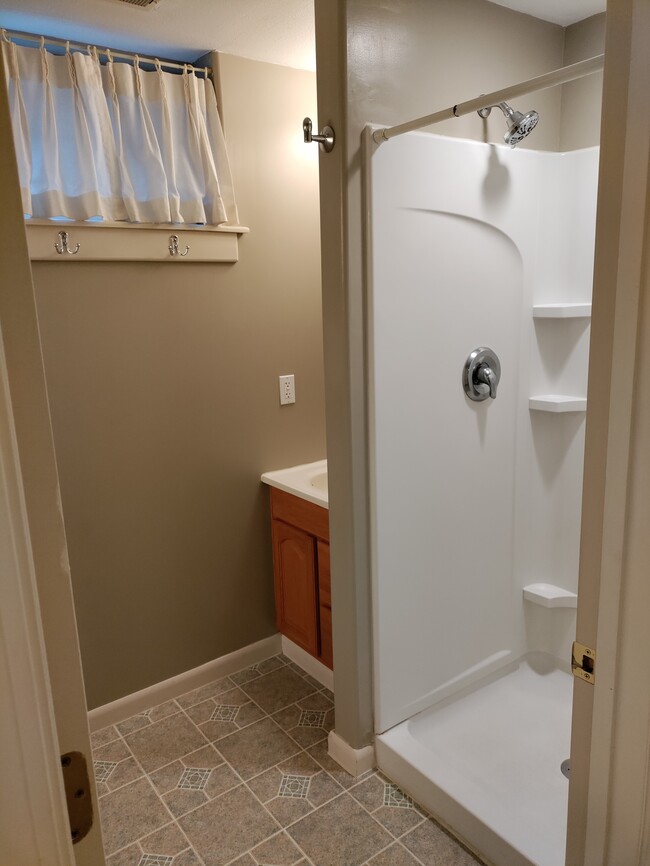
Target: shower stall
{"x": 480, "y": 271}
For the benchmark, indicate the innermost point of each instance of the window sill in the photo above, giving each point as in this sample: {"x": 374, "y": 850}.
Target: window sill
{"x": 129, "y": 242}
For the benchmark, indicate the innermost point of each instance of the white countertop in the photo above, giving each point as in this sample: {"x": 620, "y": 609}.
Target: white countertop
{"x": 308, "y": 481}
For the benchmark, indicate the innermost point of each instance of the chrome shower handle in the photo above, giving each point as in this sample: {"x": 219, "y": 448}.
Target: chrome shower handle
{"x": 481, "y": 374}
{"x": 485, "y": 375}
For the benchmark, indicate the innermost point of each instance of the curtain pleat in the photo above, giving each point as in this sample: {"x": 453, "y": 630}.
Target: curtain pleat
{"x": 116, "y": 142}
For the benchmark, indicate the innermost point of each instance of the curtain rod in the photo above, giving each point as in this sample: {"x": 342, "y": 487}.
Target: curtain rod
{"x": 83, "y": 46}
{"x": 541, "y": 82}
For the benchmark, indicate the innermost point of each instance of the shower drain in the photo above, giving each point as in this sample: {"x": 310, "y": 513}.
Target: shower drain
{"x": 565, "y": 766}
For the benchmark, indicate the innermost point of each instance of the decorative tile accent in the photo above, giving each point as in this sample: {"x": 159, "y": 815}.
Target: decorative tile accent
{"x": 103, "y": 770}
{"x": 156, "y": 860}
{"x": 294, "y": 786}
{"x": 224, "y": 713}
{"x": 393, "y": 796}
{"x": 311, "y": 719}
{"x": 194, "y": 779}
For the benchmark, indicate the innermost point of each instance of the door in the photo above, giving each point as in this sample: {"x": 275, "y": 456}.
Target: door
{"x": 609, "y": 753}
{"x": 44, "y": 714}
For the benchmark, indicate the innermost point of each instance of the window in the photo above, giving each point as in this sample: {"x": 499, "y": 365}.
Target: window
{"x": 115, "y": 142}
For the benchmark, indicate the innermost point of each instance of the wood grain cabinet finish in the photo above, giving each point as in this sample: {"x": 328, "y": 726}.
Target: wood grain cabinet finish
{"x": 301, "y": 567}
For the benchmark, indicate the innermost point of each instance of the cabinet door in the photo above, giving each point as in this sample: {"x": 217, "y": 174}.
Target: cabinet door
{"x": 325, "y": 604}
{"x": 296, "y": 604}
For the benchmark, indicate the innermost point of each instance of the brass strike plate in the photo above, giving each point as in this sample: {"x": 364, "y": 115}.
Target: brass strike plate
{"x": 77, "y": 794}
{"x": 583, "y": 662}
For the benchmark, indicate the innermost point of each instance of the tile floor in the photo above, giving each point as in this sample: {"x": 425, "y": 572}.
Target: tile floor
{"x": 237, "y": 772}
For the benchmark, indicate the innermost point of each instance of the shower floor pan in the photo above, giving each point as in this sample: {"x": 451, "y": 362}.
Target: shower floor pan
{"x": 488, "y": 765}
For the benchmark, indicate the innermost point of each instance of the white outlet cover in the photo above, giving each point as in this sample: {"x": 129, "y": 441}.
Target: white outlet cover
{"x": 287, "y": 390}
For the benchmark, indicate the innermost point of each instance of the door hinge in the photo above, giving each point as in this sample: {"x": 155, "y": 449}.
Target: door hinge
{"x": 77, "y": 794}
{"x": 583, "y": 662}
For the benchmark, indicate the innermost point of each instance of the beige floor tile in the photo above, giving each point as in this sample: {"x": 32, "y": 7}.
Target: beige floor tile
{"x": 189, "y": 699}
{"x": 246, "y": 860}
{"x": 187, "y": 858}
{"x": 319, "y": 753}
{"x": 180, "y": 802}
{"x": 103, "y": 736}
{"x": 433, "y": 846}
{"x": 167, "y": 841}
{"x": 256, "y": 748}
{"x": 134, "y": 723}
{"x": 125, "y": 772}
{"x": 271, "y": 664}
{"x": 280, "y": 850}
{"x": 396, "y": 855}
{"x": 112, "y": 752}
{"x": 227, "y": 827}
{"x": 165, "y": 741}
{"x": 340, "y": 833}
{"x": 388, "y": 804}
{"x": 130, "y": 813}
{"x": 278, "y": 689}
{"x": 130, "y": 856}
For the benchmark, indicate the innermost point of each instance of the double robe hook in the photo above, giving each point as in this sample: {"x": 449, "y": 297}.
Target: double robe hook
{"x": 61, "y": 246}
{"x": 174, "y": 248}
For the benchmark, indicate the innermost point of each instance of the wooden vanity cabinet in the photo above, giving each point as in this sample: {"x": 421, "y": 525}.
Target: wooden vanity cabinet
{"x": 301, "y": 567}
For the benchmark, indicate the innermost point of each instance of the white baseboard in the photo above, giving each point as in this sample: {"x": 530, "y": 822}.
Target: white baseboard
{"x": 355, "y": 761}
{"x": 308, "y": 663}
{"x": 129, "y": 705}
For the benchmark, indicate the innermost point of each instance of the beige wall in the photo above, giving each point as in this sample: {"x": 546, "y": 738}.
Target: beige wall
{"x": 581, "y": 100}
{"x": 405, "y": 58}
{"x": 164, "y": 397}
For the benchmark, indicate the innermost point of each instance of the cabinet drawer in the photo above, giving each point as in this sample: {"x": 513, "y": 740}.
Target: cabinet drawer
{"x": 298, "y": 512}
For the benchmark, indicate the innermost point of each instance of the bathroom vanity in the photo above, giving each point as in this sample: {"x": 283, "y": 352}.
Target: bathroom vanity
{"x": 301, "y": 557}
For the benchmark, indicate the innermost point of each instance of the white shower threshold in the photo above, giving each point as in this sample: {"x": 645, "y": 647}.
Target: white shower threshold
{"x": 488, "y": 764}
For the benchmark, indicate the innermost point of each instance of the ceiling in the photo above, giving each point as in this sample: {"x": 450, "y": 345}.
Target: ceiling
{"x": 275, "y": 31}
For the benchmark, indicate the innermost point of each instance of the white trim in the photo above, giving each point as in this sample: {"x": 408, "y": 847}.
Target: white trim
{"x": 34, "y": 824}
{"x": 308, "y": 663}
{"x": 129, "y": 705}
{"x": 354, "y": 761}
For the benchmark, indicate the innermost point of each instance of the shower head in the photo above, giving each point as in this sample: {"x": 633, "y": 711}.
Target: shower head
{"x": 519, "y": 125}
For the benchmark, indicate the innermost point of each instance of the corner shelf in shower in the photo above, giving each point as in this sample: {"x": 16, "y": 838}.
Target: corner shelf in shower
{"x": 561, "y": 311}
{"x": 549, "y": 595}
{"x": 557, "y": 403}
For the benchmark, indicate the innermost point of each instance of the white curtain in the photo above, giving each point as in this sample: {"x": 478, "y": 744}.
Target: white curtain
{"x": 116, "y": 142}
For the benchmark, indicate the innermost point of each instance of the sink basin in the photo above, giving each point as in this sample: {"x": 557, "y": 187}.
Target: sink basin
{"x": 308, "y": 481}
{"x": 320, "y": 481}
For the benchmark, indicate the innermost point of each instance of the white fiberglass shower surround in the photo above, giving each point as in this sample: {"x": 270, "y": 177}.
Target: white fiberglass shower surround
{"x": 476, "y": 505}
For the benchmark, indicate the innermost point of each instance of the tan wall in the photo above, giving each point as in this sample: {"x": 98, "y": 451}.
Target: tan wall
{"x": 404, "y": 58}
{"x": 581, "y": 100}
{"x": 164, "y": 397}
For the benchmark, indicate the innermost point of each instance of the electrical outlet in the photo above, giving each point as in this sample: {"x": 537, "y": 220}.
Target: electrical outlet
{"x": 287, "y": 390}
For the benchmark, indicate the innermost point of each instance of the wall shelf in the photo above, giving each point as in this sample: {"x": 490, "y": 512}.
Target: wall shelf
{"x": 549, "y": 595}
{"x": 557, "y": 403}
{"x": 561, "y": 311}
{"x": 133, "y": 242}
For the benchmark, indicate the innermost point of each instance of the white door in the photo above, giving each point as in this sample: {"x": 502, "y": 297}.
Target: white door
{"x": 608, "y": 792}
{"x": 43, "y": 708}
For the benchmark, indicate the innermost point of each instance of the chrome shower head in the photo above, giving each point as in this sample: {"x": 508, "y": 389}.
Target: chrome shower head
{"x": 519, "y": 125}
